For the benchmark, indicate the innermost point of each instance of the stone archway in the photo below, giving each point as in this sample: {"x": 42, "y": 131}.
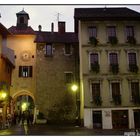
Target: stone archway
{"x": 22, "y": 98}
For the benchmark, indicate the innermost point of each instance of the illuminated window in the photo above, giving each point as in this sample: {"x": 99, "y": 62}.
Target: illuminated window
{"x": 25, "y": 71}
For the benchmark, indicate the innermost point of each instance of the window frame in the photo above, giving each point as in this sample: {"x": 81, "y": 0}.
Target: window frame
{"x": 25, "y": 74}
{"x": 90, "y": 59}
{"x": 46, "y": 54}
{"x": 92, "y": 34}
{"x": 70, "y": 53}
{"x": 72, "y": 76}
{"x": 110, "y": 88}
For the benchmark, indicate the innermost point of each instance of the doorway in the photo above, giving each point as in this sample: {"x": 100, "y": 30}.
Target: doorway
{"x": 120, "y": 119}
{"x": 97, "y": 119}
{"x": 137, "y": 118}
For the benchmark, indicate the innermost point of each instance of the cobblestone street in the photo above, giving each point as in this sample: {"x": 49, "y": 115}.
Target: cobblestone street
{"x": 51, "y": 130}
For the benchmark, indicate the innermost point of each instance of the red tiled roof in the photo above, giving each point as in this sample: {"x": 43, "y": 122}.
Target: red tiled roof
{"x": 16, "y": 30}
{"x": 55, "y": 37}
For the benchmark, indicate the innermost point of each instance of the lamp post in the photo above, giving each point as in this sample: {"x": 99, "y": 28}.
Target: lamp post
{"x": 74, "y": 88}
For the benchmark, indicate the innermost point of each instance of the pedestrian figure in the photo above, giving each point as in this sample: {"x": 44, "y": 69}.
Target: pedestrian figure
{"x": 23, "y": 117}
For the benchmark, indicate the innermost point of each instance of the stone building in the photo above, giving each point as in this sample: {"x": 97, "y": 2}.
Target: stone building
{"x": 109, "y": 47}
{"x": 7, "y": 65}
{"x": 57, "y": 69}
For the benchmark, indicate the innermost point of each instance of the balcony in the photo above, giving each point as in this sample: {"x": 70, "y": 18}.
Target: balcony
{"x": 97, "y": 100}
{"x": 93, "y": 41}
{"x": 131, "y": 40}
{"x": 133, "y": 68}
{"x": 117, "y": 99}
{"x": 114, "y": 68}
{"x": 95, "y": 67}
{"x": 113, "y": 40}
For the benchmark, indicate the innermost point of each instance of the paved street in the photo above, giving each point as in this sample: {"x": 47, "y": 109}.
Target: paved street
{"x": 51, "y": 130}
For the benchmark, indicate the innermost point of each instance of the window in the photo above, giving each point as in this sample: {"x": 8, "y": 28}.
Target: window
{"x": 68, "y": 50}
{"x": 25, "y": 71}
{"x": 94, "y": 62}
{"x": 116, "y": 96}
{"x": 111, "y": 31}
{"x": 115, "y": 88}
{"x": 48, "y": 50}
{"x": 132, "y": 58}
{"x": 129, "y": 31}
{"x": 94, "y": 58}
{"x": 96, "y": 93}
{"x": 92, "y": 31}
{"x": 113, "y": 58}
{"x": 132, "y": 62}
{"x": 68, "y": 77}
{"x": 95, "y": 89}
{"x": 135, "y": 92}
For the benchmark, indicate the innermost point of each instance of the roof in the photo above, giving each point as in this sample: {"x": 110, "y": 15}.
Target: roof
{"x": 9, "y": 55}
{"x": 3, "y": 30}
{"x": 106, "y": 13}
{"x": 18, "y": 31}
{"x": 23, "y": 13}
{"x": 56, "y": 37}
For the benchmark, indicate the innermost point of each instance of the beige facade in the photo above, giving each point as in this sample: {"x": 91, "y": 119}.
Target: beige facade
{"x": 23, "y": 45}
{"x": 124, "y": 77}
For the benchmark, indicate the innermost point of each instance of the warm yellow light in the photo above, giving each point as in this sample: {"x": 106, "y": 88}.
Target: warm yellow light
{"x": 74, "y": 87}
{"x": 3, "y": 94}
{"x": 24, "y": 106}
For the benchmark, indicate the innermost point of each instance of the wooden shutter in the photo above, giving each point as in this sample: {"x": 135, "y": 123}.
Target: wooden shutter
{"x": 30, "y": 71}
{"x": 20, "y": 71}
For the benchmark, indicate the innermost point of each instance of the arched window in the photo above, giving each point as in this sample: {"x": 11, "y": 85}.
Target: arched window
{"x": 21, "y": 19}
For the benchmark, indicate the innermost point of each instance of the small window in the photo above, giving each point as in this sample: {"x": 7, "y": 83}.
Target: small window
{"x": 68, "y": 49}
{"x": 94, "y": 58}
{"x": 92, "y": 31}
{"x": 129, "y": 31}
{"x": 113, "y": 58}
{"x": 95, "y": 89}
{"x": 25, "y": 71}
{"x": 111, "y": 31}
{"x": 69, "y": 77}
{"x": 132, "y": 58}
{"x": 48, "y": 50}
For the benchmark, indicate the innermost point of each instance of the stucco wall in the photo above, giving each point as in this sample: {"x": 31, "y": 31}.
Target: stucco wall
{"x": 21, "y": 44}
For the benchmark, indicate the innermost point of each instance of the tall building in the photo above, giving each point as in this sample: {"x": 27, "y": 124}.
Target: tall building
{"x": 109, "y": 47}
{"x": 24, "y": 75}
{"x": 57, "y": 69}
{"x": 7, "y": 65}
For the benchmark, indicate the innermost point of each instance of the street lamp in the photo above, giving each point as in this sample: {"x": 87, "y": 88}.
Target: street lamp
{"x": 3, "y": 95}
{"x": 74, "y": 87}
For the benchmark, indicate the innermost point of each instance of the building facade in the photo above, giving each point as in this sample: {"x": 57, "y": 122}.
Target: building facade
{"x": 109, "y": 47}
{"x": 7, "y": 65}
{"x": 56, "y": 70}
{"x": 24, "y": 75}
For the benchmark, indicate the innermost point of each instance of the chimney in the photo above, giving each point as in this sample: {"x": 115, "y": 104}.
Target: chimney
{"x": 61, "y": 27}
{"x": 52, "y": 27}
{"x": 39, "y": 28}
